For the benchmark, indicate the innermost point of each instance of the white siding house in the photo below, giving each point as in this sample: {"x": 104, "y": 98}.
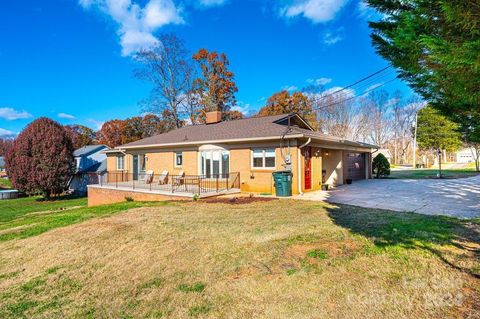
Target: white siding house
{"x": 465, "y": 156}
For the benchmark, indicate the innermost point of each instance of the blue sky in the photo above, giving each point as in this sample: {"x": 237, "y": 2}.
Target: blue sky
{"x": 70, "y": 60}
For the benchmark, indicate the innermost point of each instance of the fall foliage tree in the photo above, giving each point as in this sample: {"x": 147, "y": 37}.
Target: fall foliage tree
{"x": 5, "y": 145}
{"x": 283, "y": 103}
{"x": 234, "y": 115}
{"x": 80, "y": 135}
{"x": 118, "y": 132}
{"x": 41, "y": 159}
{"x": 111, "y": 133}
{"x": 139, "y": 127}
{"x": 215, "y": 89}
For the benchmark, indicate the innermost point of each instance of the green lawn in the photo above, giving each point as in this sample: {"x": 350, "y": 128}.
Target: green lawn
{"x": 432, "y": 173}
{"x": 18, "y": 208}
{"x": 271, "y": 259}
{"x": 5, "y": 183}
{"x": 25, "y": 217}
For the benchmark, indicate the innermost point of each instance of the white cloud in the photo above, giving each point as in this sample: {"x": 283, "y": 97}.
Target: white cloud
{"x": 290, "y": 88}
{"x": 364, "y": 9}
{"x": 315, "y": 10}
{"x": 369, "y": 13}
{"x": 242, "y": 108}
{"x": 137, "y": 24}
{"x": 338, "y": 90}
{"x": 97, "y": 125}
{"x": 210, "y": 3}
{"x": 11, "y": 114}
{"x": 373, "y": 87}
{"x": 66, "y": 116}
{"x": 331, "y": 38}
{"x": 336, "y": 93}
{"x": 6, "y": 133}
{"x": 320, "y": 81}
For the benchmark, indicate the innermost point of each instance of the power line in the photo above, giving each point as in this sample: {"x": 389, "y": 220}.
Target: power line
{"x": 370, "y": 84}
{"x": 378, "y": 80}
{"x": 359, "y": 81}
{"x": 354, "y": 97}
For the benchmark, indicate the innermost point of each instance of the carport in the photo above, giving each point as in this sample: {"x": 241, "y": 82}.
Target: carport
{"x": 332, "y": 161}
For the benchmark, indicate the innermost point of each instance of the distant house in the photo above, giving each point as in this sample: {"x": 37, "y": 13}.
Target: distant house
{"x": 90, "y": 160}
{"x": 465, "y": 156}
{"x": 385, "y": 153}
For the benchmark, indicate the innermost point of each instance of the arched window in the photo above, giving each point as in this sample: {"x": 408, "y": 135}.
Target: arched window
{"x": 214, "y": 161}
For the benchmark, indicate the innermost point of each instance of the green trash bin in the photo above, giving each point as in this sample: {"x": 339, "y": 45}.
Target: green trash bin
{"x": 283, "y": 183}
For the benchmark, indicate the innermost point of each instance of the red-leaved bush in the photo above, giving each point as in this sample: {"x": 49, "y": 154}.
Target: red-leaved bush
{"x": 41, "y": 159}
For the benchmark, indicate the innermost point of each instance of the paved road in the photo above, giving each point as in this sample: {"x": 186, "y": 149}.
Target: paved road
{"x": 451, "y": 197}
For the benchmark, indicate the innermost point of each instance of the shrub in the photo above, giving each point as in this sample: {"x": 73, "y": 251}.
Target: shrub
{"x": 41, "y": 159}
{"x": 381, "y": 166}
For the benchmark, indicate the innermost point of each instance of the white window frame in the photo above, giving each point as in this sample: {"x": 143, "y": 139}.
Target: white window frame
{"x": 175, "y": 159}
{"x": 123, "y": 163}
{"x": 264, "y": 151}
{"x": 211, "y": 151}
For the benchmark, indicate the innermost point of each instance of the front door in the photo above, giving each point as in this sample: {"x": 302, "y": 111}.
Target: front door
{"x": 308, "y": 168}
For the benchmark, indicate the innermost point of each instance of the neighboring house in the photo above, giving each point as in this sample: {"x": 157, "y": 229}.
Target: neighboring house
{"x": 385, "y": 153}
{"x": 230, "y": 156}
{"x": 90, "y": 161}
{"x": 465, "y": 156}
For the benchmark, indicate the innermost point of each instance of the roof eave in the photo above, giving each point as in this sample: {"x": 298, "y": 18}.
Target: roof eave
{"x": 344, "y": 142}
{"x": 238, "y": 140}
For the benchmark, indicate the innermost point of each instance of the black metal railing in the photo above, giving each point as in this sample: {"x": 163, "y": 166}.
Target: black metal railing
{"x": 193, "y": 184}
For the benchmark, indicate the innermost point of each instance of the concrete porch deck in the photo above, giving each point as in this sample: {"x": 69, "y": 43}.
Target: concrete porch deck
{"x": 167, "y": 190}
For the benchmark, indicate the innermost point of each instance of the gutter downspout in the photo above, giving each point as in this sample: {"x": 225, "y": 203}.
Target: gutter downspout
{"x": 299, "y": 165}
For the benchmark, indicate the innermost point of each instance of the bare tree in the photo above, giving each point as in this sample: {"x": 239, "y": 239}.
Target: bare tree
{"x": 402, "y": 123}
{"x": 377, "y": 106}
{"x": 340, "y": 116}
{"x": 168, "y": 67}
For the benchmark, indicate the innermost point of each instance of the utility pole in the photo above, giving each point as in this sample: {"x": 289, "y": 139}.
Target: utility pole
{"x": 415, "y": 144}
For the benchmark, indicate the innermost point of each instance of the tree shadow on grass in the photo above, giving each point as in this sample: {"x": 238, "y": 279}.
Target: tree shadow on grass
{"x": 435, "y": 234}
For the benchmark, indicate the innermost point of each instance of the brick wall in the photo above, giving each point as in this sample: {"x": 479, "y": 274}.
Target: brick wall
{"x": 102, "y": 196}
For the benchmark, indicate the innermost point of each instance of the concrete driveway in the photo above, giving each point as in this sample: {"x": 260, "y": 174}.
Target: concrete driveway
{"x": 450, "y": 197}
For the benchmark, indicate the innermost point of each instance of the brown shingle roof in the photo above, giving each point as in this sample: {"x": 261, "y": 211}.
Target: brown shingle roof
{"x": 255, "y": 127}
{"x": 249, "y": 128}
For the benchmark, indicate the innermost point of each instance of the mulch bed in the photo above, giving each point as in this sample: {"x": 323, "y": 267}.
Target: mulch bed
{"x": 238, "y": 200}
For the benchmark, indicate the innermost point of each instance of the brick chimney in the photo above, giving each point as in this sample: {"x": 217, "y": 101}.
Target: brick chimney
{"x": 214, "y": 117}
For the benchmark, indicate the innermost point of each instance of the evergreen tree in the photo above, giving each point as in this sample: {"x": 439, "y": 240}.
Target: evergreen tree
{"x": 435, "y": 45}
{"x": 435, "y": 133}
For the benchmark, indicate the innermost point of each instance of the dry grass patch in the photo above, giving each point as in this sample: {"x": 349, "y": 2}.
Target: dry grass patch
{"x": 276, "y": 259}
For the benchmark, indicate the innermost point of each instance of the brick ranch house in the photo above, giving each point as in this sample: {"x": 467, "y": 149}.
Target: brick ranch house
{"x": 222, "y": 157}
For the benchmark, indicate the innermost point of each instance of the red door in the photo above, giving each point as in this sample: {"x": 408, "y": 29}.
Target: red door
{"x": 308, "y": 168}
